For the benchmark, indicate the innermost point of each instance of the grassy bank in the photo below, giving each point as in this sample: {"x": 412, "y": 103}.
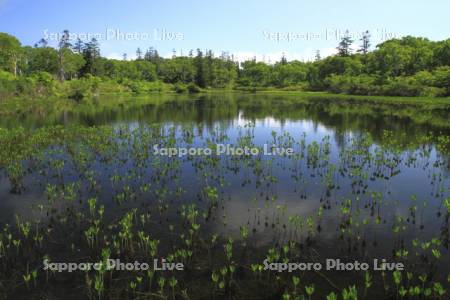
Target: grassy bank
{"x": 422, "y": 101}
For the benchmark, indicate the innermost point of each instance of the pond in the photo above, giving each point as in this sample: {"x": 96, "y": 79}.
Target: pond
{"x": 365, "y": 181}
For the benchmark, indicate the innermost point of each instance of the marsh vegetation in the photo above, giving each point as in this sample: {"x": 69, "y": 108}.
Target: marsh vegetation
{"x": 367, "y": 180}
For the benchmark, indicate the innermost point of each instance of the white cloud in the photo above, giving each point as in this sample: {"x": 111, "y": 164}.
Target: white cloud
{"x": 307, "y": 54}
{"x": 114, "y": 55}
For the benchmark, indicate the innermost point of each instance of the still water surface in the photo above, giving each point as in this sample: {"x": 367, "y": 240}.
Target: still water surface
{"x": 387, "y": 211}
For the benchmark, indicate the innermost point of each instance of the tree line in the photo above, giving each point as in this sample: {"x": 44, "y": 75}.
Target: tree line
{"x": 410, "y": 66}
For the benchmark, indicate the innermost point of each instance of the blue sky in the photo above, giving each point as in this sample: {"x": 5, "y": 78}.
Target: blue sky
{"x": 245, "y": 28}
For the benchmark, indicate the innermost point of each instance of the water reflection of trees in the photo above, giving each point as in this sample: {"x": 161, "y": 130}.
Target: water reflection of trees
{"x": 339, "y": 116}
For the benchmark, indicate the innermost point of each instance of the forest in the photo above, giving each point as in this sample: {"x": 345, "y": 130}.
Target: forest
{"x": 410, "y": 66}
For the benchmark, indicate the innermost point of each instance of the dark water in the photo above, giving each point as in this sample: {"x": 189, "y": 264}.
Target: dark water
{"x": 388, "y": 212}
